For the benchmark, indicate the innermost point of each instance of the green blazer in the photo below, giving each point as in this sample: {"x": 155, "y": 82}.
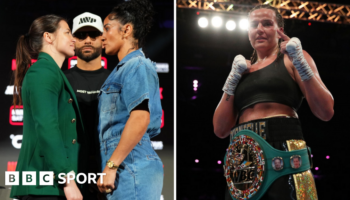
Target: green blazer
{"x": 53, "y": 136}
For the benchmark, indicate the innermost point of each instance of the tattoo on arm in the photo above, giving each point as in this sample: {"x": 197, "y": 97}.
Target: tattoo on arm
{"x": 228, "y": 97}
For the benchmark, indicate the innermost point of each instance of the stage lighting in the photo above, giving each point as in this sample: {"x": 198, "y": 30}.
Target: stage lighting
{"x": 196, "y": 161}
{"x": 327, "y": 157}
{"x": 195, "y": 85}
{"x": 230, "y": 25}
{"x": 216, "y": 21}
{"x": 203, "y": 22}
{"x": 244, "y": 24}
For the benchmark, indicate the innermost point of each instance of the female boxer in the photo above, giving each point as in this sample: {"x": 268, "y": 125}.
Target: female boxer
{"x": 269, "y": 89}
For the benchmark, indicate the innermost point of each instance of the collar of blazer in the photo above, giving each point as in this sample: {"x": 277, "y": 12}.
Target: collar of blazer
{"x": 46, "y": 56}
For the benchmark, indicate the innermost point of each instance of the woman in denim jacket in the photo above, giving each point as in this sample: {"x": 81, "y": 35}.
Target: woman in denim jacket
{"x": 129, "y": 108}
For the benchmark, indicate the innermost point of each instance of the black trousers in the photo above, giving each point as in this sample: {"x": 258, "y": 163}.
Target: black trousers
{"x": 278, "y": 130}
{"x": 37, "y": 197}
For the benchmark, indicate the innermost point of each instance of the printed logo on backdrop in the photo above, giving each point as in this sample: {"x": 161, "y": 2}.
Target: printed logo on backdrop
{"x": 16, "y": 115}
{"x": 16, "y": 140}
{"x": 87, "y": 20}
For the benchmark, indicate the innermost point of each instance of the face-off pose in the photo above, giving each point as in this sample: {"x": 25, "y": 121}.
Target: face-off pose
{"x": 269, "y": 88}
{"x": 129, "y": 108}
{"x": 51, "y": 111}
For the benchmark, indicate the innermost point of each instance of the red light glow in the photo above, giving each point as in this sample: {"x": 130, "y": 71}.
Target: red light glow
{"x": 14, "y": 65}
{"x": 11, "y": 166}
{"x": 15, "y": 123}
{"x": 161, "y": 90}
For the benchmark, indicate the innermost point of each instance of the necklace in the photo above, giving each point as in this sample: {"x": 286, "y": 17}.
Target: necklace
{"x": 264, "y": 58}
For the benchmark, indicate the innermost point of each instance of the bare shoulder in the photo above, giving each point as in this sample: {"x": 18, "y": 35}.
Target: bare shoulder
{"x": 248, "y": 67}
{"x": 289, "y": 66}
{"x": 249, "y": 64}
{"x": 287, "y": 61}
{"x": 308, "y": 58}
{"x": 306, "y": 54}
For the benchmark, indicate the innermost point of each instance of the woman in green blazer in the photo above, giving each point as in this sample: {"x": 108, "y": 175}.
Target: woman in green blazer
{"x": 53, "y": 137}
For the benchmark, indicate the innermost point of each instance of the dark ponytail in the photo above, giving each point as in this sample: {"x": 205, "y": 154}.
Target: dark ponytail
{"x": 23, "y": 61}
{"x": 280, "y": 23}
{"x": 28, "y": 47}
{"x": 137, "y": 12}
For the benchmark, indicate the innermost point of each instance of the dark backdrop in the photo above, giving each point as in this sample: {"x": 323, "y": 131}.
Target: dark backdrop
{"x": 206, "y": 55}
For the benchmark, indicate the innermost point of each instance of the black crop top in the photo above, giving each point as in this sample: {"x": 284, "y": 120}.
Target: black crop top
{"x": 272, "y": 83}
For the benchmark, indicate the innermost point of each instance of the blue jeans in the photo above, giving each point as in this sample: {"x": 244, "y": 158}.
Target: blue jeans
{"x": 140, "y": 175}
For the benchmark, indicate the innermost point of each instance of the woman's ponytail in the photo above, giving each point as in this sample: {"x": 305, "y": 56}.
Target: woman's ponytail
{"x": 23, "y": 62}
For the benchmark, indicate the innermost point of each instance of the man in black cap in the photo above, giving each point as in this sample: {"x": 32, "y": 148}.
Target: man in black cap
{"x": 86, "y": 79}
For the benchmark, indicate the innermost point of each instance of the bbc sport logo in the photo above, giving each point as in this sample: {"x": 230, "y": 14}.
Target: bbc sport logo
{"x": 47, "y": 177}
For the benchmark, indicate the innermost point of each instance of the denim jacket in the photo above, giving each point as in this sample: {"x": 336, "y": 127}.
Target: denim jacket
{"x": 132, "y": 81}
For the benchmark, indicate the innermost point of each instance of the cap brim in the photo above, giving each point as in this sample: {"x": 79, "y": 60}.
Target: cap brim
{"x": 87, "y": 26}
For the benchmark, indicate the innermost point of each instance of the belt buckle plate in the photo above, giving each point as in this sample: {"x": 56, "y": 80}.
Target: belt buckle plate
{"x": 244, "y": 167}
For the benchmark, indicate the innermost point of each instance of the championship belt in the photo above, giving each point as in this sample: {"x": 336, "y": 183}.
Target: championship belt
{"x": 251, "y": 165}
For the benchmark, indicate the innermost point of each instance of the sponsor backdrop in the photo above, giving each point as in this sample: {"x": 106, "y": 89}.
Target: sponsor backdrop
{"x": 17, "y": 17}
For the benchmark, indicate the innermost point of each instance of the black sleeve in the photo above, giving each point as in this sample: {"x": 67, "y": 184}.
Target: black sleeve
{"x": 142, "y": 106}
